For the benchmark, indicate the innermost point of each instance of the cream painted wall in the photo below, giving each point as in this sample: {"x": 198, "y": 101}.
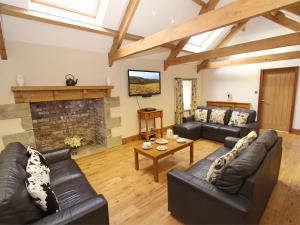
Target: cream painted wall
{"x": 47, "y": 65}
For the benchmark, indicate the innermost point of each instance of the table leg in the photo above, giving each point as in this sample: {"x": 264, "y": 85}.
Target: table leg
{"x": 147, "y": 134}
{"x": 155, "y": 170}
{"x": 136, "y": 160}
{"x": 192, "y": 153}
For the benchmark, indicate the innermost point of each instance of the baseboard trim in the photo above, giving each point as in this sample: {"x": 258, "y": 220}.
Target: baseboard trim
{"x": 137, "y": 136}
{"x": 295, "y": 131}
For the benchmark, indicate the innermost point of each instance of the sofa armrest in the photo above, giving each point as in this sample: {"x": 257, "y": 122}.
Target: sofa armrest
{"x": 190, "y": 118}
{"x": 230, "y": 142}
{"x": 90, "y": 211}
{"x": 192, "y": 200}
{"x": 57, "y": 155}
{"x": 248, "y": 128}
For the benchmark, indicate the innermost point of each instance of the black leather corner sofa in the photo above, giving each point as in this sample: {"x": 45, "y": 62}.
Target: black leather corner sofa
{"x": 193, "y": 200}
{"x": 79, "y": 203}
{"x": 194, "y": 130}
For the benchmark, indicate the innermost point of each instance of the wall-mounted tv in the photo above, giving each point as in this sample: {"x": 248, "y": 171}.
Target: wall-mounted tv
{"x": 143, "y": 83}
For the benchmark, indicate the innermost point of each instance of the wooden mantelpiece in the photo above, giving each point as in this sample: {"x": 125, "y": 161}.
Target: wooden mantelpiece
{"x": 57, "y": 93}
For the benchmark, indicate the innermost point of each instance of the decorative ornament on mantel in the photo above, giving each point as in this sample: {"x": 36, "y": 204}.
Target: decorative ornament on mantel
{"x": 70, "y": 80}
{"x": 20, "y": 80}
{"x": 108, "y": 80}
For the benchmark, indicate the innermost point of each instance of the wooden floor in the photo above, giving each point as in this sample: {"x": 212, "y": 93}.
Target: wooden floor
{"x": 134, "y": 198}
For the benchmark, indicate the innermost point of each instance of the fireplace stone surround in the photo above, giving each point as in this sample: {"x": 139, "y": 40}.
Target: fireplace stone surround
{"x": 47, "y": 123}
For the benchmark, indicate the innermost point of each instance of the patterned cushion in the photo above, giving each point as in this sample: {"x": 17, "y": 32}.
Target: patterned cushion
{"x": 201, "y": 115}
{"x": 238, "y": 119}
{"x": 42, "y": 194}
{"x": 219, "y": 164}
{"x": 217, "y": 116}
{"x": 37, "y": 165}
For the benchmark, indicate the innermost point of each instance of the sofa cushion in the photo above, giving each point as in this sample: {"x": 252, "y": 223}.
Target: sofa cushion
{"x": 238, "y": 119}
{"x": 201, "y": 115}
{"x": 268, "y": 138}
{"x": 217, "y": 116}
{"x": 37, "y": 166}
{"x": 218, "y": 153}
{"x": 220, "y": 163}
{"x": 64, "y": 171}
{"x": 16, "y": 206}
{"x": 252, "y": 114}
{"x": 42, "y": 194}
{"x": 234, "y": 174}
{"x": 200, "y": 168}
{"x": 229, "y": 131}
{"x": 73, "y": 191}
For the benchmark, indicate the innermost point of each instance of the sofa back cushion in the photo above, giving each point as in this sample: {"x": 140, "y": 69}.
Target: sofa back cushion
{"x": 16, "y": 206}
{"x": 268, "y": 138}
{"x": 236, "y": 172}
{"x": 252, "y": 114}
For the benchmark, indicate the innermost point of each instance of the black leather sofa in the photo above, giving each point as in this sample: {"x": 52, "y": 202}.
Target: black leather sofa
{"x": 194, "y": 130}
{"x": 79, "y": 203}
{"x": 193, "y": 200}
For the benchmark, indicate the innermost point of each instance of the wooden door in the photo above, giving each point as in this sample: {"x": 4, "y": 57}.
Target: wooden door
{"x": 277, "y": 98}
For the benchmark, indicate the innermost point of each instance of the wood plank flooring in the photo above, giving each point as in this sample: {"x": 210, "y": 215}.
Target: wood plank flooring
{"x": 134, "y": 198}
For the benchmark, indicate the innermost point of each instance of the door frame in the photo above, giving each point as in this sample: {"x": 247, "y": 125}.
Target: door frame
{"x": 261, "y": 82}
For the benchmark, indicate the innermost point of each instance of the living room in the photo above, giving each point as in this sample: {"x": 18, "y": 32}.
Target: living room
{"x": 58, "y": 57}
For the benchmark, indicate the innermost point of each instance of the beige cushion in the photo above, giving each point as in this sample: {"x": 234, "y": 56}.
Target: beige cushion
{"x": 201, "y": 115}
{"x": 217, "y": 116}
{"x": 238, "y": 119}
{"x": 219, "y": 164}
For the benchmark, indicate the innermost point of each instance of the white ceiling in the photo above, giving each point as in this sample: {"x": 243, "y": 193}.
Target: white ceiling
{"x": 143, "y": 23}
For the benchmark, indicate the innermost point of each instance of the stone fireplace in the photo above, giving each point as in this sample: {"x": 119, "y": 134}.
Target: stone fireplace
{"x": 54, "y": 113}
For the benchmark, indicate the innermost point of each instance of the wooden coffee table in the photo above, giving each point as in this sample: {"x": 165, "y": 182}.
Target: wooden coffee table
{"x": 155, "y": 155}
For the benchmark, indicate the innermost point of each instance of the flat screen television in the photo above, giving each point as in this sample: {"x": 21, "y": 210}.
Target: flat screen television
{"x": 143, "y": 83}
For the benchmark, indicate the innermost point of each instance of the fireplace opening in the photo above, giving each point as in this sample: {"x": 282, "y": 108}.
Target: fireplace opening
{"x": 54, "y": 121}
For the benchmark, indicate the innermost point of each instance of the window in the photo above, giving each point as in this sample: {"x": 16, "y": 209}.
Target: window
{"x": 84, "y": 7}
{"x": 187, "y": 94}
{"x": 85, "y": 11}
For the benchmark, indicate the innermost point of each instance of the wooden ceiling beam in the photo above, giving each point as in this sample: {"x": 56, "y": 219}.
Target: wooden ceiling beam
{"x": 54, "y": 20}
{"x": 232, "y": 33}
{"x": 200, "y": 2}
{"x": 259, "y": 45}
{"x": 252, "y": 60}
{"x": 3, "y": 54}
{"x": 283, "y": 20}
{"x": 174, "y": 53}
{"x": 232, "y": 13}
{"x": 117, "y": 42}
{"x": 294, "y": 9}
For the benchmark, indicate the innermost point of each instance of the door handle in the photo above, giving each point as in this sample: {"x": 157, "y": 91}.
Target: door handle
{"x": 262, "y": 100}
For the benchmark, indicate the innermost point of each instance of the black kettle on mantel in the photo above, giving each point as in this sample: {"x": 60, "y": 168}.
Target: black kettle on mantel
{"x": 70, "y": 80}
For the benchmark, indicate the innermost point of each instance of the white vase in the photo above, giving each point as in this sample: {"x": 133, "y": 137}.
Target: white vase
{"x": 20, "y": 80}
{"x": 108, "y": 81}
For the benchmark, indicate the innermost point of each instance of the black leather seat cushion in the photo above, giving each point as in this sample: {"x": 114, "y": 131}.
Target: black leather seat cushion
{"x": 216, "y": 154}
{"x": 64, "y": 171}
{"x": 200, "y": 169}
{"x": 234, "y": 174}
{"x": 230, "y": 131}
{"x": 73, "y": 192}
{"x": 268, "y": 138}
{"x": 191, "y": 130}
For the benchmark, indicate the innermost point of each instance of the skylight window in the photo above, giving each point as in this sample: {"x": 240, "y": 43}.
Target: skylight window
{"x": 84, "y": 7}
{"x": 86, "y": 11}
{"x": 205, "y": 41}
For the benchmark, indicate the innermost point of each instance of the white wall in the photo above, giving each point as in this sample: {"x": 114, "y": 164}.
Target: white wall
{"x": 47, "y": 65}
{"x": 243, "y": 81}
